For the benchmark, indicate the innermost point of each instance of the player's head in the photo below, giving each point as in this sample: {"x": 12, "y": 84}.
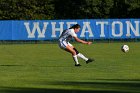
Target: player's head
{"x": 76, "y": 27}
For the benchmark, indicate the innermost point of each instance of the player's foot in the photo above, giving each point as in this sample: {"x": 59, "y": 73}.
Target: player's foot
{"x": 77, "y": 65}
{"x": 89, "y": 60}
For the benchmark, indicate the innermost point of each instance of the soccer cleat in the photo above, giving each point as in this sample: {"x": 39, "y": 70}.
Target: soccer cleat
{"x": 77, "y": 65}
{"x": 89, "y": 60}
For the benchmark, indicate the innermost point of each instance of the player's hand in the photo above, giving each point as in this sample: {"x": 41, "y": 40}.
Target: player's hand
{"x": 89, "y": 43}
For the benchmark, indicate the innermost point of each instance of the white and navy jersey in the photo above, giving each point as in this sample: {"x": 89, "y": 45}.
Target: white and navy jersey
{"x": 67, "y": 35}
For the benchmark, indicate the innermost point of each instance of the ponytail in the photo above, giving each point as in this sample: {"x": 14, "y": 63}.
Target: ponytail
{"x": 75, "y": 26}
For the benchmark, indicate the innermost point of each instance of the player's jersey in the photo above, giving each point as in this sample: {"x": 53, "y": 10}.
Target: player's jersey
{"x": 67, "y": 35}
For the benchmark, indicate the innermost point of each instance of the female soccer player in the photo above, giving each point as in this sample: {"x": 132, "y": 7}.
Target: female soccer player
{"x": 64, "y": 39}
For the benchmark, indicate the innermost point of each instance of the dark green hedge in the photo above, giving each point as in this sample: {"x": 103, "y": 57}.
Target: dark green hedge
{"x": 68, "y": 9}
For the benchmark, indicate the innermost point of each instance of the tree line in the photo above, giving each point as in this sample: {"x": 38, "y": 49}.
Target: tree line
{"x": 68, "y": 9}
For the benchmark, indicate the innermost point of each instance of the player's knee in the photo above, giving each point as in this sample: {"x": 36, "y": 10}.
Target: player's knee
{"x": 77, "y": 52}
{"x": 73, "y": 53}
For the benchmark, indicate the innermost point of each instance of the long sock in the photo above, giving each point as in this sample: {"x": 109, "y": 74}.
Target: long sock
{"x": 75, "y": 59}
{"x": 82, "y": 56}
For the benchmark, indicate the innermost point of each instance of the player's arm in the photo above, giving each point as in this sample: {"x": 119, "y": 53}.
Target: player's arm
{"x": 82, "y": 41}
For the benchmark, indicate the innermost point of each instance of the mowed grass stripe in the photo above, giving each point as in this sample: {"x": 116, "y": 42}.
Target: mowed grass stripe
{"x": 46, "y": 66}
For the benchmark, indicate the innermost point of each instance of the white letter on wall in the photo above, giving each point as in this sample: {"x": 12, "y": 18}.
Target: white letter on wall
{"x": 31, "y": 34}
{"x": 86, "y": 25}
{"x": 102, "y": 27}
{"x": 114, "y": 29}
{"x": 54, "y": 29}
{"x": 135, "y": 31}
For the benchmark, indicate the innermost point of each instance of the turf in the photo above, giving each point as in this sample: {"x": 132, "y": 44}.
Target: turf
{"x": 45, "y": 68}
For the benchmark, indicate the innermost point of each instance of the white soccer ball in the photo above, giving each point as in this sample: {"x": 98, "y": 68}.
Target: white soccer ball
{"x": 125, "y": 48}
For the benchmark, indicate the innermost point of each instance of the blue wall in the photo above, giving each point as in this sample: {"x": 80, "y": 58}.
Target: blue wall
{"x": 51, "y": 29}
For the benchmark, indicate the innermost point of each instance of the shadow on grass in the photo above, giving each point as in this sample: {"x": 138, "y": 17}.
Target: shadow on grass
{"x": 10, "y": 65}
{"x": 43, "y": 90}
{"x": 96, "y": 86}
{"x": 104, "y": 85}
{"x": 32, "y": 66}
{"x": 130, "y": 83}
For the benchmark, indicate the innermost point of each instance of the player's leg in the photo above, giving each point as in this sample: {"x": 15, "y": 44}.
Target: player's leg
{"x": 72, "y": 51}
{"x": 80, "y": 55}
{"x": 64, "y": 45}
{"x": 77, "y": 52}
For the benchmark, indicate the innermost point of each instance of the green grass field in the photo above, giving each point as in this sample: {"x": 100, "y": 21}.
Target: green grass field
{"x": 45, "y": 68}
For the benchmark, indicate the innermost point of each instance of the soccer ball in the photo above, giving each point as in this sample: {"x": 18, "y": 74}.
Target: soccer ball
{"x": 125, "y": 48}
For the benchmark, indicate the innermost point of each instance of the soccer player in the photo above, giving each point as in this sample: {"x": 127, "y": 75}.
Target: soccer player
{"x": 64, "y": 39}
